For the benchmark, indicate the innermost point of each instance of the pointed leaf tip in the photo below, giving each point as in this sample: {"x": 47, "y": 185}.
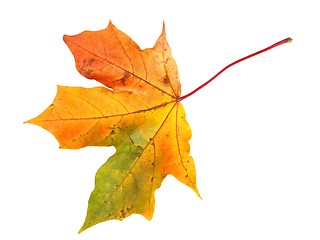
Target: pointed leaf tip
{"x": 163, "y": 29}
{"x": 110, "y": 24}
{"x": 65, "y": 38}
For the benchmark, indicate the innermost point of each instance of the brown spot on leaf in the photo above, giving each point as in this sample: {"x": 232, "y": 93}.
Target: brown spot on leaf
{"x": 90, "y": 62}
{"x": 126, "y": 74}
{"x": 86, "y": 73}
{"x": 166, "y": 80}
{"x": 123, "y": 81}
{"x": 125, "y": 77}
{"x": 123, "y": 213}
{"x": 85, "y": 69}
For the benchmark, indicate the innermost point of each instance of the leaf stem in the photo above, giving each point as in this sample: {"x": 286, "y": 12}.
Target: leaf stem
{"x": 287, "y": 40}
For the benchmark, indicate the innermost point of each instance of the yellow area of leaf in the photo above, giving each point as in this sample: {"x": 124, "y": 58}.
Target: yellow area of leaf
{"x": 138, "y": 112}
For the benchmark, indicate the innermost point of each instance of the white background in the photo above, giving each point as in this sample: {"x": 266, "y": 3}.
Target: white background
{"x": 256, "y": 134}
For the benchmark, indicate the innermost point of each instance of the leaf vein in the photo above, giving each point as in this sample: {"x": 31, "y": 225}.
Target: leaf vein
{"x": 109, "y": 116}
{"x": 165, "y": 68}
{"x": 133, "y": 74}
{"x": 139, "y": 156}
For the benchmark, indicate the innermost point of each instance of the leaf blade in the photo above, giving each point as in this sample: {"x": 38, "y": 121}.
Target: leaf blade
{"x": 138, "y": 112}
{"x": 143, "y": 173}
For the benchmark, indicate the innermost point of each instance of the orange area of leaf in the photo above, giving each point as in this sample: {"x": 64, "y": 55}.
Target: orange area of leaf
{"x": 138, "y": 112}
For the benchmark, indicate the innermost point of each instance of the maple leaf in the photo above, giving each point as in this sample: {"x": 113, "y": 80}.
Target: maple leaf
{"x": 138, "y": 112}
{"x": 141, "y": 116}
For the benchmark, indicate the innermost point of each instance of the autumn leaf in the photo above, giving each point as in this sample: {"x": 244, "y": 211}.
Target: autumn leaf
{"x": 139, "y": 112}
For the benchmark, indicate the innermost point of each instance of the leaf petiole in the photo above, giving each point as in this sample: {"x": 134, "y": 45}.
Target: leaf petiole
{"x": 287, "y": 40}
